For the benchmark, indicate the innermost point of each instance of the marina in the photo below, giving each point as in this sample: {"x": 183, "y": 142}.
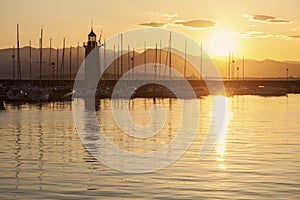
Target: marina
{"x": 166, "y": 100}
{"x": 56, "y": 84}
{"x": 51, "y": 86}
{"x": 54, "y": 90}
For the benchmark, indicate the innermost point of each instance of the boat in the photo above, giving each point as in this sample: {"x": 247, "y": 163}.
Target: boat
{"x": 3, "y": 91}
{"x": 16, "y": 94}
{"x": 68, "y": 96}
{"x": 2, "y": 107}
{"x": 38, "y": 94}
{"x": 59, "y": 93}
{"x": 231, "y": 91}
{"x": 269, "y": 91}
{"x": 201, "y": 91}
{"x": 294, "y": 89}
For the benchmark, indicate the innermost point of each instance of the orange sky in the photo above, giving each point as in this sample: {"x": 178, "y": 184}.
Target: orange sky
{"x": 254, "y": 29}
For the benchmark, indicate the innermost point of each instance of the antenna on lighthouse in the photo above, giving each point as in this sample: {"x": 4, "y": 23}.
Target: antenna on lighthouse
{"x": 100, "y": 38}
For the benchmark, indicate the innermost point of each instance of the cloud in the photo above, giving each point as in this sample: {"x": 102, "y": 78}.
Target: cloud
{"x": 296, "y": 29}
{"x": 191, "y": 24}
{"x": 165, "y": 15}
{"x": 294, "y": 36}
{"x": 266, "y": 19}
{"x": 279, "y": 21}
{"x": 153, "y": 24}
{"x": 256, "y": 34}
{"x": 196, "y": 24}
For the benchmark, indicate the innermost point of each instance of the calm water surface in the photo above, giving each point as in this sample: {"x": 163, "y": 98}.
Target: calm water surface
{"x": 42, "y": 157}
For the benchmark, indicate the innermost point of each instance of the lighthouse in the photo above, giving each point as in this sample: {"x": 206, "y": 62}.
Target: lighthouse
{"x": 92, "y": 42}
{"x": 92, "y": 61}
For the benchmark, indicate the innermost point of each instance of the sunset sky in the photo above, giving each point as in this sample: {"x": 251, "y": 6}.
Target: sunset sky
{"x": 254, "y": 29}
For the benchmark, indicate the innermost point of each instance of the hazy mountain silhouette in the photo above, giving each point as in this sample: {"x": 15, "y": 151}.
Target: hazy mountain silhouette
{"x": 261, "y": 69}
{"x": 6, "y": 69}
{"x": 253, "y": 68}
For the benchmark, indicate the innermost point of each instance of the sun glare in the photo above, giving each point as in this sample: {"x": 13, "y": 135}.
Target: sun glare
{"x": 221, "y": 42}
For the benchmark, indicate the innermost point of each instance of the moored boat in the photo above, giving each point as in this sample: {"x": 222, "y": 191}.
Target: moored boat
{"x": 269, "y": 91}
{"x": 57, "y": 93}
{"x": 38, "y": 94}
{"x": 16, "y": 94}
{"x": 3, "y": 92}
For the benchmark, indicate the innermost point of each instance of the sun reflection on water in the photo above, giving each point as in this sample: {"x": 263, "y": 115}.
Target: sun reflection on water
{"x": 222, "y": 127}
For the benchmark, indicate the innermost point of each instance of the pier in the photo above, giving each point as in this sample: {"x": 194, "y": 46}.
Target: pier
{"x": 105, "y": 88}
{"x": 250, "y": 83}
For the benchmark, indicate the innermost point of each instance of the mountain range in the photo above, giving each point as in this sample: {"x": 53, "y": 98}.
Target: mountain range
{"x": 252, "y": 68}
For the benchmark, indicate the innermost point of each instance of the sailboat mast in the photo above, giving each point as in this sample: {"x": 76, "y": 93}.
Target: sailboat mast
{"x": 115, "y": 70}
{"x": 243, "y": 67}
{"x": 70, "y": 69}
{"x": 41, "y": 54}
{"x": 30, "y": 61}
{"x": 166, "y": 63}
{"x": 201, "y": 63}
{"x": 121, "y": 54}
{"x": 50, "y": 60}
{"x": 133, "y": 51}
{"x": 105, "y": 62}
{"x": 100, "y": 60}
{"x": 170, "y": 57}
{"x": 160, "y": 49}
{"x": 155, "y": 63}
{"x": 128, "y": 60}
{"x": 232, "y": 67}
{"x": 19, "y": 74}
{"x": 57, "y": 55}
{"x": 229, "y": 61}
{"x": 155, "y": 68}
{"x": 13, "y": 64}
{"x": 63, "y": 60}
{"x": 77, "y": 57}
{"x": 145, "y": 59}
{"x": 185, "y": 59}
{"x": 118, "y": 55}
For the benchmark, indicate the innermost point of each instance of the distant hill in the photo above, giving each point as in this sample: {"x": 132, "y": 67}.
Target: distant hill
{"x": 262, "y": 69}
{"x": 6, "y": 69}
{"x": 253, "y": 68}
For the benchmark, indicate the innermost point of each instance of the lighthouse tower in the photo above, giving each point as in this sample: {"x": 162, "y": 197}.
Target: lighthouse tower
{"x": 92, "y": 61}
{"x": 92, "y": 42}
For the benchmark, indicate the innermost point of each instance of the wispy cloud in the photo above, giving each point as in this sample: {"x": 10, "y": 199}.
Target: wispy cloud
{"x": 259, "y": 34}
{"x": 166, "y": 15}
{"x": 196, "y": 24}
{"x": 294, "y": 36}
{"x": 190, "y": 24}
{"x": 256, "y": 34}
{"x": 296, "y": 29}
{"x": 153, "y": 24}
{"x": 170, "y": 19}
{"x": 266, "y": 19}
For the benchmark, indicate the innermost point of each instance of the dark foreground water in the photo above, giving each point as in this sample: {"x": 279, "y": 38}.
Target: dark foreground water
{"x": 258, "y": 157}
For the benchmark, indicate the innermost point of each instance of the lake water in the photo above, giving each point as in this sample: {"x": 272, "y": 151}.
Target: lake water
{"x": 258, "y": 157}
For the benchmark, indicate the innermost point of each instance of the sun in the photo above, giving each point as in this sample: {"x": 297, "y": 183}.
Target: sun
{"x": 221, "y": 42}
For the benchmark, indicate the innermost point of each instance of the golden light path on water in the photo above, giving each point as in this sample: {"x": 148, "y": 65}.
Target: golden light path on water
{"x": 221, "y": 125}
